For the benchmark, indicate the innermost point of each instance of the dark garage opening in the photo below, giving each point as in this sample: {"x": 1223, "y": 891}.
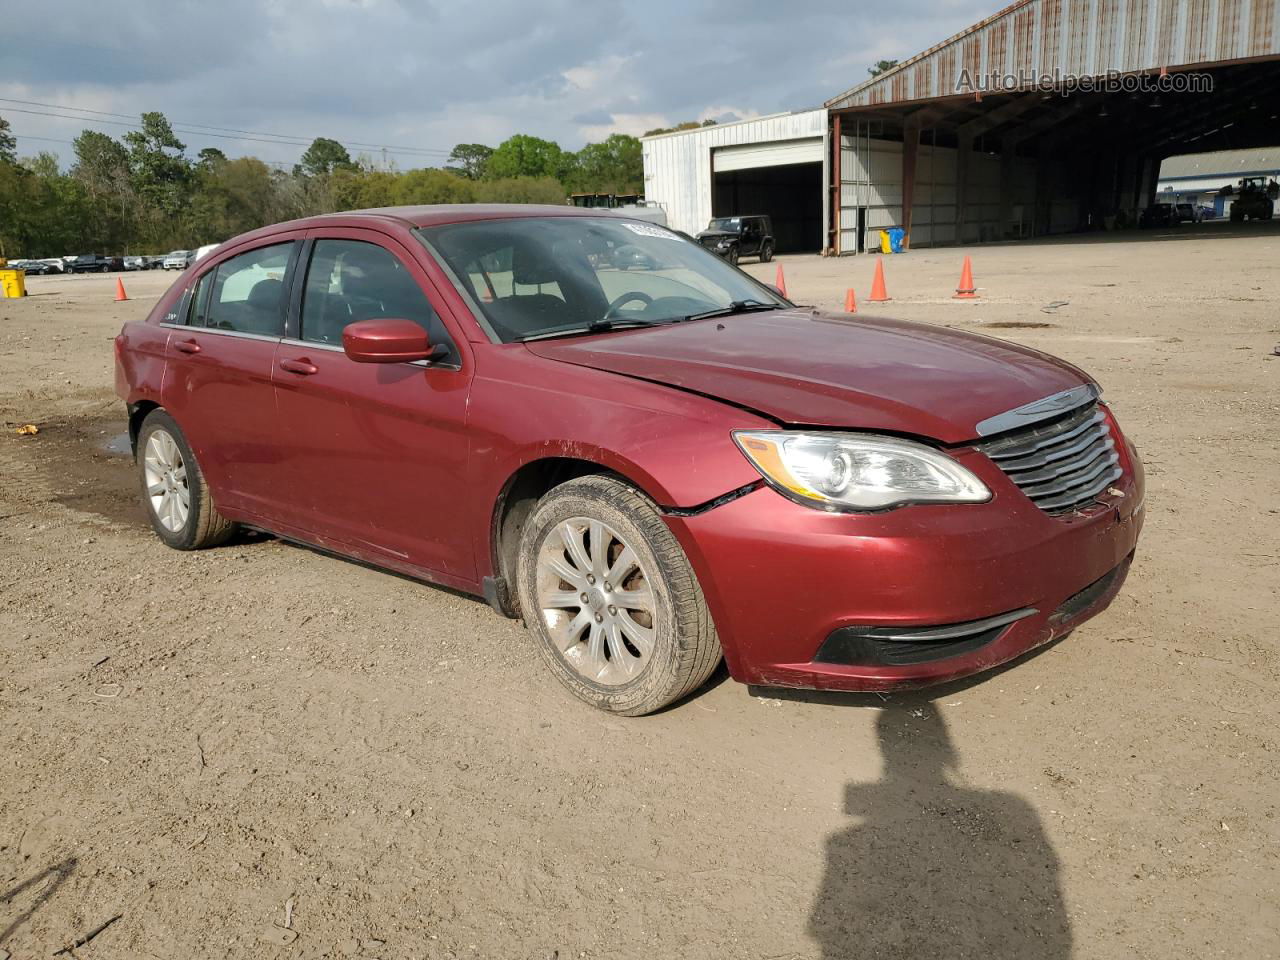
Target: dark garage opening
{"x": 791, "y": 195}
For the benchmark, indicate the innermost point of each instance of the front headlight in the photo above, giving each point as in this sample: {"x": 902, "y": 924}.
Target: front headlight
{"x": 853, "y": 472}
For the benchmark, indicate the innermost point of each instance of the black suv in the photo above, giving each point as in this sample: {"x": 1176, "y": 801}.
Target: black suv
{"x": 734, "y": 237}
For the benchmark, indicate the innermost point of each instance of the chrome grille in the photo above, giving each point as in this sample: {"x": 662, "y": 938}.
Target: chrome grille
{"x": 1060, "y": 465}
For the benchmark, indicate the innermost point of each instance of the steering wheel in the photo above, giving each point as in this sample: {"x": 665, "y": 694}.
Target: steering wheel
{"x": 627, "y": 298}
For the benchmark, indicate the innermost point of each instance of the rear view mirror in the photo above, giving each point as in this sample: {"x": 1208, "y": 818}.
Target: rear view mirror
{"x": 388, "y": 340}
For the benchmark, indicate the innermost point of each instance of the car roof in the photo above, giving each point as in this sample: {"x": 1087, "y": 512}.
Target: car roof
{"x": 425, "y": 216}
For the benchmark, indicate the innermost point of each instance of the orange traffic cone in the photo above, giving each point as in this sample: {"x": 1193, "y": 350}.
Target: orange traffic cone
{"x": 120, "y": 294}
{"x": 781, "y": 282}
{"x": 966, "y": 290}
{"x": 878, "y": 292}
{"x": 850, "y": 301}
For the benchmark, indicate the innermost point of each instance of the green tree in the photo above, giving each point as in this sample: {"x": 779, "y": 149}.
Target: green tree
{"x": 158, "y": 161}
{"x": 470, "y": 159}
{"x": 8, "y": 143}
{"x": 323, "y": 157}
{"x": 525, "y": 156}
{"x": 433, "y": 186}
{"x": 613, "y": 166}
{"x": 210, "y": 157}
{"x": 111, "y": 205}
{"x": 521, "y": 190}
{"x": 882, "y": 66}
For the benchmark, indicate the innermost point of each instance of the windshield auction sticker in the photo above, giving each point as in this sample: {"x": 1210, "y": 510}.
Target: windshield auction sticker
{"x": 649, "y": 230}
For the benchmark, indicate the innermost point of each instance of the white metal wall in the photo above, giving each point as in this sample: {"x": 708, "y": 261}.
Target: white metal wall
{"x": 677, "y": 166}
{"x": 871, "y": 178}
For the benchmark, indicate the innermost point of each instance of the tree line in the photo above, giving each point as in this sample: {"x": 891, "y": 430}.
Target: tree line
{"x": 143, "y": 193}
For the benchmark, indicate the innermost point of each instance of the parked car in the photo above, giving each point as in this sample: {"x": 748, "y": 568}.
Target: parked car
{"x": 652, "y": 467}
{"x": 737, "y": 237}
{"x": 1187, "y": 213}
{"x": 56, "y": 265}
{"x": 136, "y": 263}
{"x": 95, "y": 263}
{"x": 178, "y": 260}
{"x": 1158, "y": 215}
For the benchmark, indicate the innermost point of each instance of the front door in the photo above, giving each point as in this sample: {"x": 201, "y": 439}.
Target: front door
{"x": 378, "y": 451}
{"x": 217, "y": 382}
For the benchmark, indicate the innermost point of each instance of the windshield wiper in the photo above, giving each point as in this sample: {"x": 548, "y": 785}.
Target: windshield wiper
{"x": 738, "y": 306}
{"x": 595, "y": 326}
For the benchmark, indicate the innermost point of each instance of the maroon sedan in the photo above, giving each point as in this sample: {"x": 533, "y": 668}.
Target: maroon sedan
{"x": 650, "y": 457}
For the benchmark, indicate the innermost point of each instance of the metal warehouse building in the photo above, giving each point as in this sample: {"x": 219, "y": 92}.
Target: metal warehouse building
{"x": 1051, "y": 116}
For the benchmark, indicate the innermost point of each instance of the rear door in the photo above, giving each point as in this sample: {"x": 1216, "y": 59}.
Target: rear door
{"x": 217, "y": 382}
{"x": 379, "y": 451}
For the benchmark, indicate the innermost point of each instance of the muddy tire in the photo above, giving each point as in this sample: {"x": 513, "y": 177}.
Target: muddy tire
{"x": 174, "y": 494}
{"x": 610, "y": 599}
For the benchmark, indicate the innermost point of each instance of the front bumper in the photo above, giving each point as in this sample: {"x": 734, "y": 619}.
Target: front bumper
{"x": 781, "y": 579}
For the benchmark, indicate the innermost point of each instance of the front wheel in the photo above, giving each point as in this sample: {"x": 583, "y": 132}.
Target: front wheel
{"x": 610, "y": 598}
{"x": 174, "y": 493}
{"x": 732, "y": 256}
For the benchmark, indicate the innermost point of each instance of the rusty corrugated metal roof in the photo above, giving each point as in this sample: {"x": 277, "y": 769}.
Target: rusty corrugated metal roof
{"x": 1080, "y": 38}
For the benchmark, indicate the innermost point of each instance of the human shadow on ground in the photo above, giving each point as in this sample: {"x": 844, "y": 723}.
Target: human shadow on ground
{"x": 931, "y": 868}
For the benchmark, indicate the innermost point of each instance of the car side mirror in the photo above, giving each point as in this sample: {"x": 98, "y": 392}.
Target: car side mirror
{"x": 388, "y": 340}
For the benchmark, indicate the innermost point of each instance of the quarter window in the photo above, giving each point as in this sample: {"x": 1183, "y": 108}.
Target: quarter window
{"x": 247, "y": 294}
{"x": 350, "y": 280}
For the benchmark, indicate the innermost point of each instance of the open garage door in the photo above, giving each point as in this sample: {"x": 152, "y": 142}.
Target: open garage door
{"x": 790, "y": 194}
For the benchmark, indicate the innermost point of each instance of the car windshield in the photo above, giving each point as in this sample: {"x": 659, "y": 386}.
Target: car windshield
{"x": 726, "y": 224}
{"x": 544, "y": 276}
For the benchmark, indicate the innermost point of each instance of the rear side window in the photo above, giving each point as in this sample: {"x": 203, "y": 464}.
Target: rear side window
{"x": 246, "y": 293}
{"x": 350, "y": 280}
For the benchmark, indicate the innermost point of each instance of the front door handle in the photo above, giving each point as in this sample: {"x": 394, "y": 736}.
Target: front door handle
{"x": 186, "y": 346}
{"x": 304, "y": 368}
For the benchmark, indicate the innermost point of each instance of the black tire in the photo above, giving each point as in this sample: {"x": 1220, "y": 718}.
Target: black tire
{"x": 686, "y": 649}
{"x": 766, "y": 253}
{"x": 204, "y": 526}
{"x": 732, "y": 256}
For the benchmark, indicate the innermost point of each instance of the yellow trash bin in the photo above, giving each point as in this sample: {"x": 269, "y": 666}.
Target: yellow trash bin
{"x": 13, "y": 283}
{"x": 886, "y": 244}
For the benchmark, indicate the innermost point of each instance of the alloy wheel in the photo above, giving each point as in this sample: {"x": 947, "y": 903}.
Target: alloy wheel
{"x": 165, "y": 472}
{"x": 596, "y": 600}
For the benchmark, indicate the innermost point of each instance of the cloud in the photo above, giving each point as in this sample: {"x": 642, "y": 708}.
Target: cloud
{"x": 427, "y": 74}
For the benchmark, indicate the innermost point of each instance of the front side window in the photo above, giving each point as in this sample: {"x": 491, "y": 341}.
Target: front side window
{"x": 247, "y": 292}
{"x": 541, "y": 276}
{"x": 351, "y": 280}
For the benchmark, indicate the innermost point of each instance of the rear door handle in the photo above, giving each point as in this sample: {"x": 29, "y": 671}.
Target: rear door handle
{"x": 186, "y": 346}
{"x": 303, "y": 368}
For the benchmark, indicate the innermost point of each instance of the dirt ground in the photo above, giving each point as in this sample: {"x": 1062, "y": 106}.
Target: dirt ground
{"x": 207, "y": 745}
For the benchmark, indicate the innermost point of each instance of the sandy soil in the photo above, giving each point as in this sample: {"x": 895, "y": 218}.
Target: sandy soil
{"x": 207, "y": 744}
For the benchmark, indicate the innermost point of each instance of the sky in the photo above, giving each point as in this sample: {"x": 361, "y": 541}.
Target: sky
{"x": 418, "y": 76}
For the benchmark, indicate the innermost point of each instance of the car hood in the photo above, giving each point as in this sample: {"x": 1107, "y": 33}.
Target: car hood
{"x": 717, "y": 235}
{"x": 803, "y": 367}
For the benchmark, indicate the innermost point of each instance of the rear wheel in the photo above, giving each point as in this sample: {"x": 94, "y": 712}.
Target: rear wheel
{"x": 611, "y": 600}
{"x": 174, "y": 493}
{"x": 766, "y": 253}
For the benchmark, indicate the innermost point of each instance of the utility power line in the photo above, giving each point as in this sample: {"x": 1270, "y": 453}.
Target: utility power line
{"x": 279, "y": 140}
